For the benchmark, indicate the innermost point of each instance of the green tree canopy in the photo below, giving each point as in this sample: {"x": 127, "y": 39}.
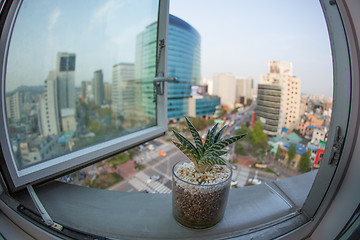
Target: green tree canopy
{"x": 239, "y": 149}
{"x": 95, "y": 126}
{"x": 291, "y": 152}
{"x": 305, "y": 162}
{"x": 258, "y": 137}
{"x": 277, "y": 151}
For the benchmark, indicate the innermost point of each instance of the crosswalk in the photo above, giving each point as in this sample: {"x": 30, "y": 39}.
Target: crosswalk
{"x": 139, "y": 182}
{"x": 241, "y": 176}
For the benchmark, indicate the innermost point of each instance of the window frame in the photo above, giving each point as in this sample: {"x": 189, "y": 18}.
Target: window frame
{"x": 50, "y": 169}
{"x": 330, "y": 178}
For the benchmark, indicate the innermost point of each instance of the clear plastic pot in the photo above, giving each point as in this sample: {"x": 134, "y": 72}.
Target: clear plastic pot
{"x": 199, "y": 205}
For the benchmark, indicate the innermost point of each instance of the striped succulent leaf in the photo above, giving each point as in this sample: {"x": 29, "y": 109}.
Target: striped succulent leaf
{"x": 217, "y": 153}
{"x": 206, "y": 155}
{"x": 218, "y": 135}
{"x": 196, "y": 136}
{"x": 213, "y": 131}
{"x": 210, "y": 137}
{"x": 207, "y": 141}
{"x": 223, "y": 143}
{"x": 187, "y": 144}
{"x": 208, "y": 161}
{"x": 186, "y": 152}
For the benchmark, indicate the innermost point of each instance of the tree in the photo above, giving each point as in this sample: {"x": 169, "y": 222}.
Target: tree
{"x": 248, "y": 102}
{"x": 242, "y": 130}
{"x": 277, "y": 152}
{"x": 257, "y": 137}
{"x": 201, "y": 123}
{"x": 304, "y": 165}
{"x": 239, "y": 149}
{"x": 291, "y": 152}
{"x": 297, "y": 131}
{"x": 95, "y": 126}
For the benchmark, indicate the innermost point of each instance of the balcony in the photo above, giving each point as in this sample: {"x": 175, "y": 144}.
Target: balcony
{"x": 268, "y": 104}
{"x": 269, "y": 98}
{"x": 269, "y": 93}
{"x": 275, "y": 111}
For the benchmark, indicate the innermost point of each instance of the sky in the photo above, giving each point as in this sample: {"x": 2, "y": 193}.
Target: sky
{"x": 237, "y": 36}
{"x": 241, "y": 36}
{"x": 101, "y": 34}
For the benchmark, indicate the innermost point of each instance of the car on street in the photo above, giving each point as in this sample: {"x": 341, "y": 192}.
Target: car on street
{"x": 234, "y": 183}
{"x": 162, "y": 153}
{"x": 153, "y": 178}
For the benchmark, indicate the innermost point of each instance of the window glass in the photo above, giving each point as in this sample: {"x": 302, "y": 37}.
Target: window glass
{"x": 79, "y": 73}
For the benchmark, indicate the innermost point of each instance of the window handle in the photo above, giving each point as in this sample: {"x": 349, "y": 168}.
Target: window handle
{"x": 336, "y": 148}
{"x": 159, "y": 83}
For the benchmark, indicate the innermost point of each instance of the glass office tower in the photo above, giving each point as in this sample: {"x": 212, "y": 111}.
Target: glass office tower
{"x": 183, "y": 63}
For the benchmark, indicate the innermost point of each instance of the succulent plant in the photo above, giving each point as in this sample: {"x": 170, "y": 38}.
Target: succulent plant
{"x": 207, "y": 154}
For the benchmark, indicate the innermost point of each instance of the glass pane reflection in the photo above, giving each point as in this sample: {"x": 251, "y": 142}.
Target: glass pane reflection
{"x": 76, "y": 75}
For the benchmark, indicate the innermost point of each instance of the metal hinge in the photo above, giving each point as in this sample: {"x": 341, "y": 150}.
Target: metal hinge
{"x": 159, "y": 83}
{"x": 45, "y": 216}
{"x": 337, "y": 147}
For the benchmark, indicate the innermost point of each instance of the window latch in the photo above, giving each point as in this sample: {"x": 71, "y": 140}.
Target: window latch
{"x": 336, "y": 148}
{"x": 159, "y": 83}
{"x": 45, "y": 216}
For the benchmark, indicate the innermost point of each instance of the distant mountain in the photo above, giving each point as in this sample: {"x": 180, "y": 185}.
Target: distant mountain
{"x": 32, "y": 89}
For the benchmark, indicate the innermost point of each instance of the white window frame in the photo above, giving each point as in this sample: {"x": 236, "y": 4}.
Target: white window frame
{"x": 52, "y": 168}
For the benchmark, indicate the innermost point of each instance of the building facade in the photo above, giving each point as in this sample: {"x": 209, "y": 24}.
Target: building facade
{"x": 224, "y": 86}
{"x": 268, "y": 108}
{"x": 203, "y": 106}
{"x": 183, "y": 63}
{"x": 98, "y": 87}
{"x": 65, "y": 76}
{"x": 231, "y": 89}
{"x": 13, "y": 107}
{"x": 280, "y": 74}
{"x": 123, "y": 98}
{"x": 244, "y": 90}
{"x": 86, "y": 91}
{"x": 107, "y": 92}
{"x": 49, "y": 115}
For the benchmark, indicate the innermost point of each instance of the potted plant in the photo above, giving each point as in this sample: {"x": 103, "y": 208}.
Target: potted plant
{"x": 200, "y": 187}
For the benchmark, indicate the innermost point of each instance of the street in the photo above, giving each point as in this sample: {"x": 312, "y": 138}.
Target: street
{"x": 157, "y": 165}
{"x": 162, "y": 166}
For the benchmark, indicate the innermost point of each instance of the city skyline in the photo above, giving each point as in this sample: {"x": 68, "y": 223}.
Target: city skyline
{"x": 236, "y": 37}
{"x": 241, "y": 37}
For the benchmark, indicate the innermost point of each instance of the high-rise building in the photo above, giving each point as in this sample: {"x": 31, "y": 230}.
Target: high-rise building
{"x": 280, "y": 74}
{"x": 65, "y": 74}
{"x": 107, "y": 92}
{"x": 86, "y": 91}
{"x": 13, "y": 106}
{"x": 49, "y": 108}
{"x": 224, "y": 86}
{"x": 59, "y": 97}
{"x": 268, "y": 108}
{"x": 183, "y": 63}
{"x": 232, "y": 89}
{"x": 244, "y": 89}
{"x": 123, "y": 85}
{"x": 98, "y": 87}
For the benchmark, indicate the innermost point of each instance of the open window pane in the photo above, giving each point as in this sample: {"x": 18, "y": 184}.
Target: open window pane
{"x": 77, "y": 77}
